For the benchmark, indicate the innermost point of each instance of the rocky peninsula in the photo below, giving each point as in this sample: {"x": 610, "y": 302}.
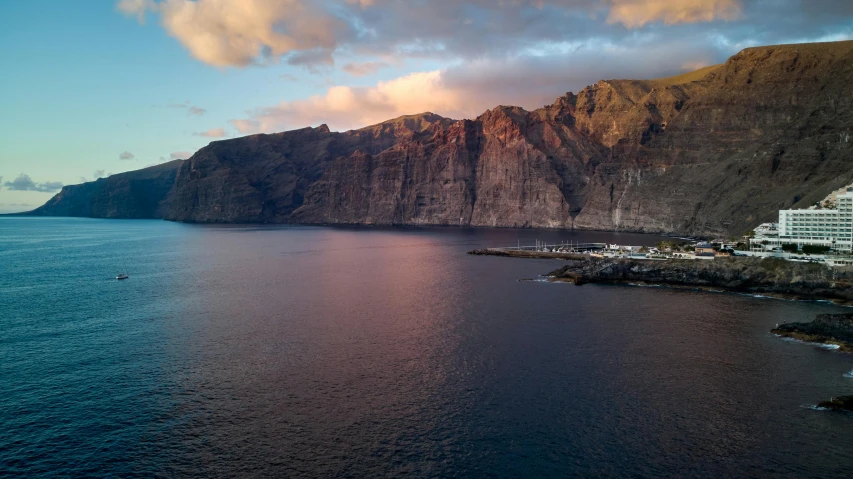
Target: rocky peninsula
{"x": 768, "y": 276}
{"x": 841, "y": 403}
{"x": 826, "y": 329}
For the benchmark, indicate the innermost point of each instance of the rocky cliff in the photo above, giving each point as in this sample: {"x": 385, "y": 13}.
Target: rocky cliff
{"x": 712, "y": 152}
{"x": 768, "y": 276}
{"x": 135, "y": 194}
{"x": 834, "y": 329}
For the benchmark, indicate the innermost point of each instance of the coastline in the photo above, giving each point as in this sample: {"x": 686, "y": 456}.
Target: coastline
{"x": 767, "y": 277}
{"x": 829, "y": 329}
{"x": 754, "y": 276}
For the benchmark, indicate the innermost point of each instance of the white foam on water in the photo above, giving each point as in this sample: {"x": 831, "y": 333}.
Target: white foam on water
{"x": 849, "y": 374}
{"x": 831, "y": 347}
{"x": 814, "y": 407}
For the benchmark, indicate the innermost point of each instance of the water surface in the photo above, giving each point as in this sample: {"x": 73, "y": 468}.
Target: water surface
{"x": 253, "y": 351}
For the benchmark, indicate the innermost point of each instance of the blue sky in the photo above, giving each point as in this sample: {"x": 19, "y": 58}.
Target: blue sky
{"x": 85, "y": 83}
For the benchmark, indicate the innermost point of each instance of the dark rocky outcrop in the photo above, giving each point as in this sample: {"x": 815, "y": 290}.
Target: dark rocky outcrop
{"x": 841, "y": 403}
{"x": 769, "y": 276}
{"x": 826, "y": 328}
{"x": 712, "y": 152}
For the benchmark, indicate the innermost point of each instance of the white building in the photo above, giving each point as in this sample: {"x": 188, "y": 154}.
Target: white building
{"x": 766, "y": 237}
{"x": 833, "y": 228}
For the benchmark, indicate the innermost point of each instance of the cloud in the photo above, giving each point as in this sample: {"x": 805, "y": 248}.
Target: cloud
{"x": 468, "y": 89}
{"x": 96, "y": 175}
{"x": 346, "y": 107}
{"x": 126, "y": 155}
{"x": 24, "y": 183}
{"x": 313, "y": 33}
{"x": 637, "y": 13}
{"x": 180, "y": 155}
{"x": 191, "y": 109}
{"x": 135, "y": 7}
{"x": 246, "y": 126}
{"x": 226, "y": 33}
{"x": 363, "y": 69}
{"x": 212, "y": 133}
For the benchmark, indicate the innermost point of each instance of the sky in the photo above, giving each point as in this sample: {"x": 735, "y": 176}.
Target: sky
{"x": 90, "y": 88}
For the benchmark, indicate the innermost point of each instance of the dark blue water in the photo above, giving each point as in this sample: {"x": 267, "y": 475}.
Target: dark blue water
{"x": 296, "y": 351}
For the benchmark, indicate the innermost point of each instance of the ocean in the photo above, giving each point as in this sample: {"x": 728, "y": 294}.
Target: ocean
{"x": 294, "y": 351}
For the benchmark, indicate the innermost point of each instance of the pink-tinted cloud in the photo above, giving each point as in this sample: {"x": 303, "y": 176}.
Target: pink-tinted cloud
{"x": 363, "y": 69}
{"x": 637, "y": 13}
{"x": 246, "y": 126}
{"x": 212, "y": 133}
{"x": 468, "y": 89}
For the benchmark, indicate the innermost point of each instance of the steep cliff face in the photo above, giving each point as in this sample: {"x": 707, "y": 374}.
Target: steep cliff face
{"x": 136, "y": 194}
{"x": 251, "y": 179}
{"x": 715, "y": 151}
{"x": 770, "y": 129}
{"x": 711, "y": 152}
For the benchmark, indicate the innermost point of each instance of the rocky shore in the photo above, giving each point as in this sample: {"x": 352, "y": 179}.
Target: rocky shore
{"x": 826, "y": 329}
{"x": 769, "y": 276}
{"x": 841, "y": 403}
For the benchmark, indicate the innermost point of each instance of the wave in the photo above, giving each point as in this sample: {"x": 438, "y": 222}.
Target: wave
{"x": 831, "y": 347}
{"x": 814, "y": 407}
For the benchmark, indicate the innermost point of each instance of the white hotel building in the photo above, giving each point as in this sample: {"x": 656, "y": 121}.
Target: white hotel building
{"x": 833, "y": 228}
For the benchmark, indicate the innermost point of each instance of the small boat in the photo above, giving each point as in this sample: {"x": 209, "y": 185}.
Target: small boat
{"x": 122, "y": 276}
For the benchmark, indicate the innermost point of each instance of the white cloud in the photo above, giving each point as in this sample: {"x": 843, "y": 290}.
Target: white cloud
{"x": 227, "y": 33}
{"x": 180, "y": 155}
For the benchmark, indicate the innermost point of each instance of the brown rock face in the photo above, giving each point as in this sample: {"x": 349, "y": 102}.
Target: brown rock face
{"x": 711, "y": 152}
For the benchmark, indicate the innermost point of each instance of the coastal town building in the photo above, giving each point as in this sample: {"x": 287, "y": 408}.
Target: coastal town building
{"x": 832, "y": 228}
{"x": 705, "y": 248}
{"x": 766, "y": 238}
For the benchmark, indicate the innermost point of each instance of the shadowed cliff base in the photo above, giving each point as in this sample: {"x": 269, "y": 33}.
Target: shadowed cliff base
{"x": 712, "y": 152}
